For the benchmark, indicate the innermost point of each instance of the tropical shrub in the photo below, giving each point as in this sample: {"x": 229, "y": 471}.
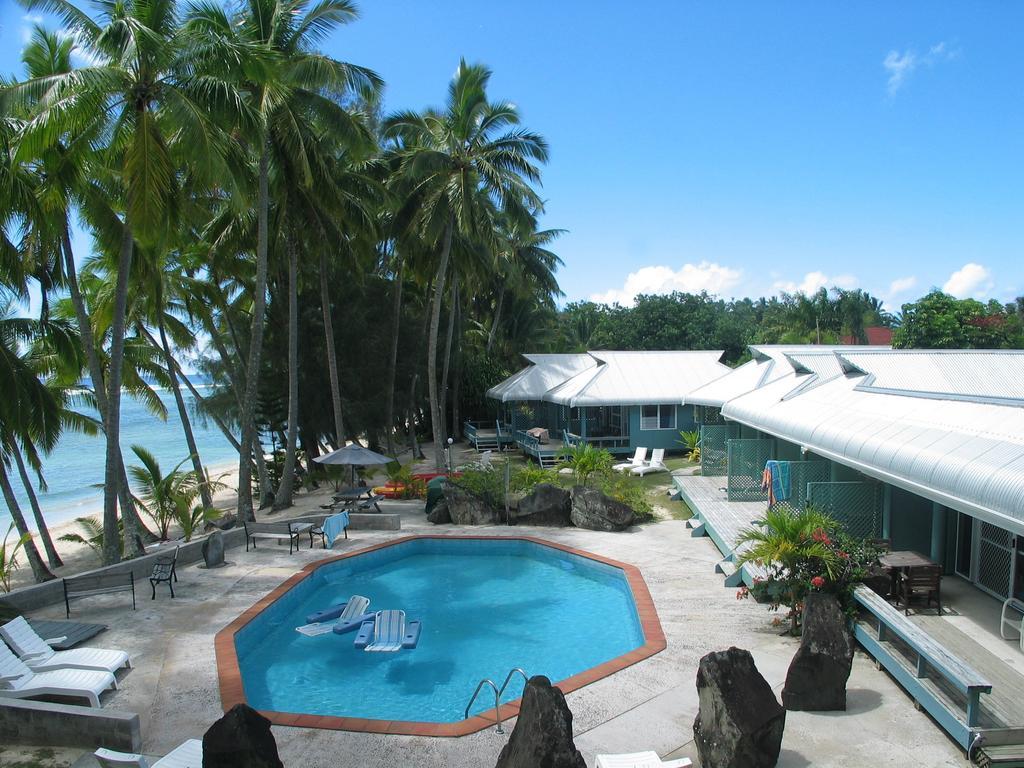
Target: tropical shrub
{"x": 487, "y": 484}
{"x": 629, "y": 492}
{"x": 9, "y": 557}
{"x": 803, "y": 551}
{"x": 586, "y": 462}
{"x": 170, "y": 498}
{"x": 93, "y": 537}
{"x": 401, "y": 476}
{"x": 524, "y": 480}
{"x": 690, "y": 440}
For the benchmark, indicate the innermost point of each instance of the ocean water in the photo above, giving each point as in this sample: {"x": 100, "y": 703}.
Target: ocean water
{"x": 486, "y": 607}
{"x": 77, "y": 463}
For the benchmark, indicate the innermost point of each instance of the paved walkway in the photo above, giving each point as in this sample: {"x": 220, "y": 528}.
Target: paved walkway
{"x": 650, "y": 705}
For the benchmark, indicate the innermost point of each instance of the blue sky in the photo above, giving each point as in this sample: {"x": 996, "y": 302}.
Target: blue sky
{"x": 741, "y": 148}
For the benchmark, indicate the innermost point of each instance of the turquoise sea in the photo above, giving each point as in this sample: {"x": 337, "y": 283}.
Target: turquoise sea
{"x": 77, "y": 463}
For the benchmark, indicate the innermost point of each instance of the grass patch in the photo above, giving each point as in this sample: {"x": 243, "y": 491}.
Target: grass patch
{"x": 43, "y": 757}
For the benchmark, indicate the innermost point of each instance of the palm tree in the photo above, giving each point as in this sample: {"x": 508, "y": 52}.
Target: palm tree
{"x": 454, "y": 165}
{"x": 159, "y": 115}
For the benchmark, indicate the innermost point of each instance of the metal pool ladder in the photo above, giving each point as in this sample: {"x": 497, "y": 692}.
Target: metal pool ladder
{"x": 497, "y": 694}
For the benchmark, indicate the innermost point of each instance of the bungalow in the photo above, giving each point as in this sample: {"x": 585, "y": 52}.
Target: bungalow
{"x": 615, "y": 400}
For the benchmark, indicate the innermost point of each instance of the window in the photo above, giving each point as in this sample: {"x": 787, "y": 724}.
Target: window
{"x": 657, "y": 417}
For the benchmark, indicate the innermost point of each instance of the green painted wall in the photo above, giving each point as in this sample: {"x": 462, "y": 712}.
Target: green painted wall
{"x": 911, "y": 524}
{"x": 660, "y": 438}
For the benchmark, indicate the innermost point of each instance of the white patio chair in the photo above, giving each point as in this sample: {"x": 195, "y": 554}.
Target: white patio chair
{"x": 187, "y": 755}
{"x": 17, "y": 681}
{"x": 638, "y": 460}
{"x": 40, "y": 657}
{"x": 640, "y": 760}
{"x": 656, "y": 464}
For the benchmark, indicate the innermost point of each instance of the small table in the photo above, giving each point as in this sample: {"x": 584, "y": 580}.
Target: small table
{"x": 902, "y": 560}
{"x": 353, "y": 494}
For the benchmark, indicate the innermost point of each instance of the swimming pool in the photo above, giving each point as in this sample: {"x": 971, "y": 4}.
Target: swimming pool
{"x": 486, "y": 604}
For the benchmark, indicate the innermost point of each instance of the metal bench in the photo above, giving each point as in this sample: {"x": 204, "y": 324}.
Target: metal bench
{"x": 931, "y": 656}
{"x": 97, "y": 584}
{"x": 284, "y": 530}
{"x": 165, "y": 570}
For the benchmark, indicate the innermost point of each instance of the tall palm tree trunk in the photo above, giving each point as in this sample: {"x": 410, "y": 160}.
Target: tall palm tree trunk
{"x": 332, "y": 353}
{"x": 283, "y": 498}
{"x": 252, "y": 371}
{"x": 132, "y": 545}
{"x": 39, "y": 569}
{"x": 448, "y": 347}
{"x": 112, "y": 425}
{"x": 436, "y": 421}
{"x": 186, "y": 423}
{"x": 457, "y": 373}
{"x": 396, "y": 321}
{"x": 44, "y": 532}
{"x": 497, "y": 318}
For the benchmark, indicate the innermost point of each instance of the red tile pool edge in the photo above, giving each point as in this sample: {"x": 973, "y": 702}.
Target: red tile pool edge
{"x": 230, "y": 675}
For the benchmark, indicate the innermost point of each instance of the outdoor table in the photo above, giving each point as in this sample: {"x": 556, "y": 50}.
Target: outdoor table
{"x": 353, "y": 494}
{"x": 903, "y": 560}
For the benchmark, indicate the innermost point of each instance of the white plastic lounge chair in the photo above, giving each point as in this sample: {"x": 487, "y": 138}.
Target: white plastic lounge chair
{"x": 354, "y": 609}
{"x": 656, "y": 464}
{"x": 388, "y": 631}
{"x": 187, "y": 755}
{"x": 40, "y": 657}
{"x": 17, "y": 681}
{"x": 638, "y": 460}
{"x": 640, "y": 760}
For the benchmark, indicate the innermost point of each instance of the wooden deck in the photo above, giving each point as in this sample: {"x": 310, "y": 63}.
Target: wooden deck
{"x": 721, "y": 520}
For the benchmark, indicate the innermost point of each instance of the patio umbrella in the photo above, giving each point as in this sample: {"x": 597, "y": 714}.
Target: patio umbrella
{"x": 354, "y": 455}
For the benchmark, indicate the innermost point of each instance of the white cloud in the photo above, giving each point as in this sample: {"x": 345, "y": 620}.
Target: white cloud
{"x": 899, "y": 65}
{"x": 901, "y": 285}
{"x": 813, "y": 281}
{"x": 31, "y": 21}
{"x": 970, "y": 280}
{"x": 690, "y": 278}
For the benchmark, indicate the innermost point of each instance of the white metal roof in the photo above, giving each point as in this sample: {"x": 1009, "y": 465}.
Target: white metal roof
{"x": 640, "y": 378}
{"x": 966, "y": 452}
{"x": 544, "y": 372}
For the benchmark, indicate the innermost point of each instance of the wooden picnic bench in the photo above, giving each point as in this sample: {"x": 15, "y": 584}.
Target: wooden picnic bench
{"x": 97, "y": 584}
{"x": 282, "y": 530}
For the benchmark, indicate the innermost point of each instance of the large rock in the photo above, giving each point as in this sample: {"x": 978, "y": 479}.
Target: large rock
{"x": 592, "y": 509}
{"x": 466, "y": 509}
{"x": 213, "y": 550}
{"x": 547, "y": 505}
{"x": 816, "y": 681}
{"x": 542, "y": 737}
{"x": 739, "y": 722}
{"x": 439, "y": 515}
{"x": 240, "y": 739}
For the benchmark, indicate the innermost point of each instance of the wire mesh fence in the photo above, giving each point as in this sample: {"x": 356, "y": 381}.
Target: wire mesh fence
{"x": 856, "y": 505}
{"x": 995, "y": 555}
{"x": 800, "y": 474}
{"x": 746, "y": 459}
{"x": 714, "y": 460}
{"x": 707, "y": 414}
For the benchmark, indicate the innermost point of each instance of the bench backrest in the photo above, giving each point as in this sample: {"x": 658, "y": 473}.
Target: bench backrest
{"x": 251, "y": 527}
{"x": 73, "y": 584}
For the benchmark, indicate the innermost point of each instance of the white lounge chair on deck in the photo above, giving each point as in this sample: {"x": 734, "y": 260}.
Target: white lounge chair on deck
{"x": 388, "y": 631}
{"x": 638, "y": 460}
{"x": 640, "y": 760}
{"x": 40, "y": 657}
{"x": 187, "y": 755}
{"x": 17, "y": 681}
{"x": 656, "y": 464}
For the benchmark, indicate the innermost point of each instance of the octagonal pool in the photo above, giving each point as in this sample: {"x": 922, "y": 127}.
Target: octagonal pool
{"x": 486, "y": 605}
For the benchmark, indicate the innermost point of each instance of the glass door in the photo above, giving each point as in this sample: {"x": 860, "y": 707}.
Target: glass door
{"x": 1018, "y": 568}
{"x": 965, "y": 546}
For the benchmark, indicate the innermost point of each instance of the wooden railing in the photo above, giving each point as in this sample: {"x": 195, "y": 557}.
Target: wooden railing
{"x": 930, "y": 656}
{"x": 608, "y": 441}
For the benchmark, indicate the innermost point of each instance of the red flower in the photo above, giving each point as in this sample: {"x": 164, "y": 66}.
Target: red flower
{"x": 844, "y": 555}
{"x": 817, "y": 582}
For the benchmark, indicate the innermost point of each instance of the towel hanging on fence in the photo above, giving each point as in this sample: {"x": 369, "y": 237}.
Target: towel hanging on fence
{"x": 776, "y": 480}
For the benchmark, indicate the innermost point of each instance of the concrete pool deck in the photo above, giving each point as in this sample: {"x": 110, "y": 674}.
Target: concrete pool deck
{"x": 649, "y": 705}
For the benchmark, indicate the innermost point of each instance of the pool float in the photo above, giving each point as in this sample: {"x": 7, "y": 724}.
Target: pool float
{"x": 388, "y": 640}
{"x": 326, "y": 614}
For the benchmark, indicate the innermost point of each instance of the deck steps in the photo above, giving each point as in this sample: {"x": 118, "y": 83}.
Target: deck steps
{"x": 1007, "y": 756}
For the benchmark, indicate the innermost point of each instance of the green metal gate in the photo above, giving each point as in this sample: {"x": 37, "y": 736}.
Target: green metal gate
{"x": 714, "y": 460}
{"x": 747, "y": 458}
{"x": 857, "y": 505}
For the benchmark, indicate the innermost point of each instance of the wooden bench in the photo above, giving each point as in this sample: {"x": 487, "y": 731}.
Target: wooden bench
{"x": 931, "y": 656}
{"x": 283, "y": 530}
{"x": 97, "y": 584}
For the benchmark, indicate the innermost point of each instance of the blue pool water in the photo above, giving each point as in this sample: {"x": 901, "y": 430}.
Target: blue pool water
{"x": 486, "y": 606}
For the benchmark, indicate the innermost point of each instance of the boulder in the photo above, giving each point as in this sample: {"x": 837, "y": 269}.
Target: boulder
{"x": 439, "y": 514}
{"x": 466, "y": 509}
{"x": 739, "y": 721}
{"x": 213, "y": 550}
{"x": 542, "y": 737}
{"x": 593, "y": 510}
{"x": 547, "y": 505}
{"x": 240, "y": 739}
{"x": 816, "y": 681}
{"x": 224, "y": 523}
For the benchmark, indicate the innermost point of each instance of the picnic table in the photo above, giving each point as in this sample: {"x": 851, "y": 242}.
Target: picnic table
{"x": 361, "y": 497}
{"x": 903, "y": 559}
{"x": 353, "y": 494}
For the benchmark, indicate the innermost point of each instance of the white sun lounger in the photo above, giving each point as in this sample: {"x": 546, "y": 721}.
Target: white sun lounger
{"x": 656, "y": 464}
{"x": 17, "y": 681}
{"x": 388, "y": 631}
{"x": 638, "y": 460}
{"x": 40, "y": 657}
{"x": 640, "y": 760}
{"x": 354, "y": 609}
{"x": 187, "y": 755}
